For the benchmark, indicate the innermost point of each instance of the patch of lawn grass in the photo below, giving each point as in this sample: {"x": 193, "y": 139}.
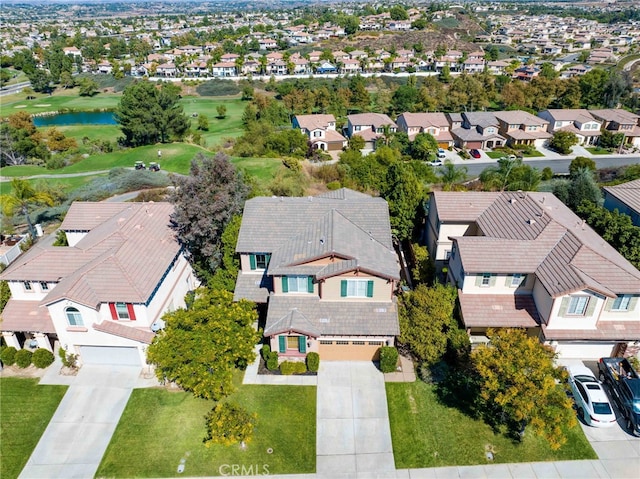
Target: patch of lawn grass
{"x": 427, "y": 433}
{"x": 159, "y": 428}
{"x": 264, "y": 169}
{"x": 598, "y": 151}
{"x": 25, "y": 411}
{"x": 219, "y": 128}
{"x": 532, "y": 154}
{"x": 495, "y": 154}
{"x": 58, "y": 101}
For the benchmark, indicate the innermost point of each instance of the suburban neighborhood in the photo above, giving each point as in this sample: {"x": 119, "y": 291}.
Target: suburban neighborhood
{"x": 320, "y": 239}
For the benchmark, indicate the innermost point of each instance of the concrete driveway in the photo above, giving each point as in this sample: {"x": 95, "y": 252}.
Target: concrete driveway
{"x": 77, "y": 436}
{"x": 352, "y": 427}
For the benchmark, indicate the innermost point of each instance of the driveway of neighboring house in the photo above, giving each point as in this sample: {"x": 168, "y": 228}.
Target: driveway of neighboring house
{"x": 352, "y": 427}
{"x": 77, "y": 436}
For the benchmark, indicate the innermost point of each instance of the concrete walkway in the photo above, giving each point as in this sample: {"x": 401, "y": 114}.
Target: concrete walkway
{"x": 251, "y": 376}
{"x": 79, "y": 432}
{"x": 353, "y": 437}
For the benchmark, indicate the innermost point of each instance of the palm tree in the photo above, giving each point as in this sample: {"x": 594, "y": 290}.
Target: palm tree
{"x": 21, "y": 199}
{"x": 450, "y": 174}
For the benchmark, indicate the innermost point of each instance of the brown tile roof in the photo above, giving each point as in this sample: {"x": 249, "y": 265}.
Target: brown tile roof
{"x": 313, "y": 122}
{"x": 606, "y": 331}
{"x": 576, "y": 114}
{"x": 135, "y": 334}
{"x": 616, "y": 114}
{"x": 26, "y": 316}
{"x": 425, "y": 119}
{"x": 377, "y": 120}
{"x": 253, "y": 287}
{"x": 122, "y": 259}
{"x": 458, "y": 208}
{"x": 499, "y": 310}
{"x": 628, "y": 193}
{"x": 519, "y": 117}
{"x": 86, "y": 215}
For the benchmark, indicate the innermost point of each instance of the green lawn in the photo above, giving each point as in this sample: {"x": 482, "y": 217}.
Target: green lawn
{"x": 25, "y": 411}
{"x": 598, "y": 151}
{"x": 59, "y": 100}
{"x": 532, "y": 154}
{"x": 159, "y": 428}
{"x": 495, "y": 154}
{"x": 427, "y": 433}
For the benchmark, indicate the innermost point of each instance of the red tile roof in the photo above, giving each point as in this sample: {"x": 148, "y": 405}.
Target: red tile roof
{"x": 499, "y": 310}
{"x": 26, "y": 316}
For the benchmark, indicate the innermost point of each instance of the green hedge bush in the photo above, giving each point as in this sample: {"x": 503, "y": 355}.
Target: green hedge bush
{"x": 272, "y": 361}
{"x": 8, "y": 356}
{"x": 23, "y": 358}
{"x": 313, "y": 362}
{"x": 265, "y": 350}
{"x": 42, "y": 358}
{"x": 292, "y": 367}
{"x": 388, "y": 359}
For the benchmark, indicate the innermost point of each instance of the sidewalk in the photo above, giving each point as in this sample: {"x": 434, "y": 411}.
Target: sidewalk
{"x": 251, "y": 375}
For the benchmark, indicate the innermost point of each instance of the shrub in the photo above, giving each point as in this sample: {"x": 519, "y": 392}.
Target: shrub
{"x": 293, "y": 367}
{"x": 388, "y": 359}
{"x": 8, "y": 356}
{"x": 228, "y": 424}
{"x": 547, "y": 174}
{"x": 334, "y": 185}
{"x": 23, "y": 358}
{"x": 68, "y": 360}
{"x": 313, "y": 362}
{"x": 292, "y": 163}
{"x": 217, "y": 88}
{"x": 42, "y": 358}
{"x": 272, "y": 361}
{"x": 265, "y": 351}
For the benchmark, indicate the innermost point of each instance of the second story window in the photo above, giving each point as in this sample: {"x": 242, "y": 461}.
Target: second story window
{"x": 26, "y": 285}
{"x": 356, "y": 288}
{"x": 486, "y": 280}
{"x": 74, "y": 317}
{"x": 578, "y": 305}
{"x": 44, "y": 286}
{"x": 297, "y": 284}
{"x": 259, "y": 261}
{"x": 621, "y": 303}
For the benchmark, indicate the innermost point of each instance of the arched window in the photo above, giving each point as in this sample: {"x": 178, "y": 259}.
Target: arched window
{"x": 74, "y": 317}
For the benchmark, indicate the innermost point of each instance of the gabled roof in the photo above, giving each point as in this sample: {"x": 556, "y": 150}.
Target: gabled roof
{"x": 86, "y": 215}
{"x": 536, "y": 232}
{"x": 121, "y": 259}
{"x": 628, "y": 193}
{"x": 425, "y": 120}
{"x": 315, "y": 122}
{"x": 376, "y": 120}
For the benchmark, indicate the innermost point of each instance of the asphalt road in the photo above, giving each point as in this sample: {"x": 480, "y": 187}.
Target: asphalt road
{"x": 11, "y": 89}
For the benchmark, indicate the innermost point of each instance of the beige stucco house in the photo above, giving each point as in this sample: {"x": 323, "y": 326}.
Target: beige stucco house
{"x": 525, "y": 260}
{"x": 326, "y": 269}
{"x": 103, "y": 296}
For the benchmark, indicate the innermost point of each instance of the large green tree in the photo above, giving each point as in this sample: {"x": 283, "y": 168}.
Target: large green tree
{"x": 21, "y": 199}
{"x": 201, "y": 347}
{"x": 205, "y": 201}
{"x": 405, "y": 194}
{"x": 424, "y": 147}
{"x": 149, "y": 114}
{"x": 518, "y": 383}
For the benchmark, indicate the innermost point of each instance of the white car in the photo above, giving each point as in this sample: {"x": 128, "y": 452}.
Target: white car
{"x": 436, "y": 162}
{"x": 441, "y": 154}
{"x": 591, "y": 399}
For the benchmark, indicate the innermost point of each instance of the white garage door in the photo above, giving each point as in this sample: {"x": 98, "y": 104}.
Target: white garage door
{"x": 110, "y": 355}
{"x": 586, "y": 350}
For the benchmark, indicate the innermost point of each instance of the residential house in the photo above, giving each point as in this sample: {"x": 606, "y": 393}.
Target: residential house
{"x": 526, "y": 73}
{"x": 224, "y": 69}
{"x": 72, "y": 51}
{"x": 625, "y": 198}
{"x": 371, "y": 127}
{"x": 103, "y": 296}
{"x": 522, "y": 128}
{"x": 497, "y": 67}
{"x": 321, "y": 131}
{"x": 617, "y": 120}
{"x": 436, "y": 124}
{"x": 475, "y": 130}
{"x": 577, "y": 121}
{"x": 524, "y": 260}
{"x": 326, "y": 268}
{"x": 196, "y": 69}
{"x": 167, "y": 70}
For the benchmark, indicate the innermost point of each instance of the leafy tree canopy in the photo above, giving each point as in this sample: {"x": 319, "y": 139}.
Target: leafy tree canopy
{"x": 200, "y": 348}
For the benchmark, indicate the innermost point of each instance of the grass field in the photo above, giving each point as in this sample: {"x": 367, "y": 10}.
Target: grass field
{"x": 427, "y": 433}
{"x": 598, "y": 151}
{"x": 159, "y": 429}
{"x": 25, "y": 411}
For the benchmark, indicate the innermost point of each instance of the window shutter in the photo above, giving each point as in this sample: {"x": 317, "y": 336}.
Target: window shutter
{"x": 492, "y": 281}
{"x": 302, "y": 344}
{"x": 632, "y": 303}
{"x": 591, "y": 306}
{"x": 132, "y": 313}
{"x": 114, "y": 313}
{"x": 508, "y": 280}
{"x": 343, "y": 288}
{"x": 608, "y": 304}
{"x": 252, "y": 261}
{"x": 478, "y": 280}
{"x": 310, "y": 284}
{"x": 282, "y": 343}
{"x": 370, "y": 289}
{"x": 267, "y": 259}
{"x": 563, "y": 307}
{"x": 285, "y": 285}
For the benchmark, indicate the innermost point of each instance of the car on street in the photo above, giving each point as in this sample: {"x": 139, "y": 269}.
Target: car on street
{"x": 436, "y": 162}
{"x": 475, "y": 153}
{"x": 592, "y": 402}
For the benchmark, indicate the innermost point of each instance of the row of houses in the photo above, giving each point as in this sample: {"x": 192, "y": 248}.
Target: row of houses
{"x": 327, "y": 273}
{"x": 474, "y": 130}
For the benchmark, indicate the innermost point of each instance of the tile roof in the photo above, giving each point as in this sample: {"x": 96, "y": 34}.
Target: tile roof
{"x": 628, "y": 193}
{"x": 425, "y": 119}
{"x": 86, "y": 215}
{"x": 323, "y": 318}
{"x": 142, "y": 335}
{"x": 519, "y": 117}
{"x": 606, "y": 331}
{"x": 505, "y": 311}
{"x": 616, "y": 114}
{"x": 121, "y": 259}
{"x": 253, "y": 287}
{"x": 577, "y": 114}
{"x": 313, "y": 122}
{"x": 26, "y": 316}
{"x": 471, "y": 134}
{"x": 377, "y": 120}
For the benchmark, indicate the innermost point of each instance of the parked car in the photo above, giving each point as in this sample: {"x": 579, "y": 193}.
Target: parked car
{"x": 153, "y": 166}
{"x": 441, "y": 153}
{"x": 624, "y": 382}
{"x": 436, "y": 162}
{"x": 591, "y": 399}
{"x": 475, "y": 153}
{"x": 139, "y": 165}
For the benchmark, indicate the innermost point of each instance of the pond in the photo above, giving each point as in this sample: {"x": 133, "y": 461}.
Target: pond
{"x": 77, "y": 118}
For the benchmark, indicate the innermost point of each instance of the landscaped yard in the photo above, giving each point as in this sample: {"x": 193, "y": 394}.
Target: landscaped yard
{"x": 25, "y": 411}
{"x": 159, "y": 429}
{"x": 427, "y": 433}
{"x": 598, "y": 151}
{"x": 495, "y": 154}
